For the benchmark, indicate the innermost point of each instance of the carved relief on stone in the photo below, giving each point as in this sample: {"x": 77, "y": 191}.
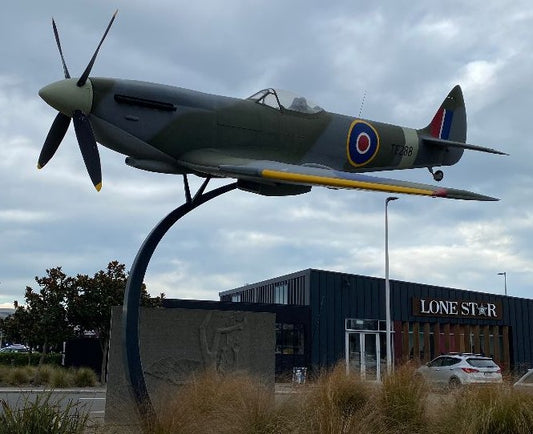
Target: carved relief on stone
{"x": 223, "y": 351}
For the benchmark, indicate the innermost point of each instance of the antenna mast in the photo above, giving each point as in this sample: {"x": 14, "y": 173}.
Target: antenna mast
{"x": 362, "y": 104}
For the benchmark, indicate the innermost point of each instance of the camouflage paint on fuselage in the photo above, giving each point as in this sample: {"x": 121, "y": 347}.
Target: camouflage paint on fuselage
{"x": 175, "y": 121}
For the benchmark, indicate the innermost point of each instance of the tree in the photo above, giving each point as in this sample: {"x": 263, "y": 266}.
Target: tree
{"x": 47, "y": 311}
{"x": 91, "y": 300}
{"x": 68, "y": 306}
{"x": 19, "y": 327}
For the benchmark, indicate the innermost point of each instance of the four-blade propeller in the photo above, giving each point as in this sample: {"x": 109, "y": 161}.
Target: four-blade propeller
{"x": 82, "y": 125}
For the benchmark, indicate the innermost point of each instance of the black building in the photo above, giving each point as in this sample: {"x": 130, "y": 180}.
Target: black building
{"x": 343, "y": 318}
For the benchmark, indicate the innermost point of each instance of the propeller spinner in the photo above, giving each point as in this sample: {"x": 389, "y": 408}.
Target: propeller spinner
{"x": 73, "y": 99}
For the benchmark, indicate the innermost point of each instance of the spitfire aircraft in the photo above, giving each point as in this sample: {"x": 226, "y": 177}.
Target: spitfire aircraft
{"x": 273, "y": 143}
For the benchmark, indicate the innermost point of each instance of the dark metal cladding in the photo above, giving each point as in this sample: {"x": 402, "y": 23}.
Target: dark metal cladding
{"x": 332, "y": 297}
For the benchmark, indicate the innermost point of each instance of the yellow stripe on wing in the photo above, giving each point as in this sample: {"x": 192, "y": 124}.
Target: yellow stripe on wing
{"x": 346, "y": 183}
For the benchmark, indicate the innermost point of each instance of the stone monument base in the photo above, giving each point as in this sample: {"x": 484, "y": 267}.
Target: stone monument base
{"x": 175, "y": 343}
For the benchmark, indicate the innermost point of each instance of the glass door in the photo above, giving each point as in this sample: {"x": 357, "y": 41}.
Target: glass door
{"x": 363, "y": 354}
{"x": 353, "y": 353}
{"x": 370, "y": 356}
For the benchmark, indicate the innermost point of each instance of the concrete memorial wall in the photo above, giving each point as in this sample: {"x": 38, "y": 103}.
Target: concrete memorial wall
{"x": 175, "y": 343}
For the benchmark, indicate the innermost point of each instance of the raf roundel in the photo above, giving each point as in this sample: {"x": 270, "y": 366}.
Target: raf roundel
{"x": 362, "y": 144}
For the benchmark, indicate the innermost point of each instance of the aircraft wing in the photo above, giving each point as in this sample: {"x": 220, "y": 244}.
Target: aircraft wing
{"x": 215, "y": 163}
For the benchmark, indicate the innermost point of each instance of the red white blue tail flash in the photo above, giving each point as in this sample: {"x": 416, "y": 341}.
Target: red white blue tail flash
{"x": 441, "y": 124}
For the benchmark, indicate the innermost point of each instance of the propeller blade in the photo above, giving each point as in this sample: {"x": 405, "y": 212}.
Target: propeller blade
{"x": 53, "y": 139}
{"x": 87, "y": 71}
{"x": 56, "y": 34}
{"x": 88, "y": 147}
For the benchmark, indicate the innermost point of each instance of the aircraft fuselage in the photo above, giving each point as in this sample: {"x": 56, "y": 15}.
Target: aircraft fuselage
{"x": 159, "y": 123}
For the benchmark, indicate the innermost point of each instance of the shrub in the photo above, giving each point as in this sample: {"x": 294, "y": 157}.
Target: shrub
{"x": 401, "y": 402}
{"x": 40, "y": 416}
{"x": 61, "y": 378}
{"x": 336, "y": 403}
{"x": 47, "y": 375}
{"x": 4, "y": 372}
{"x": 222, "y": 404}
{"x": 24, "y": 359}
{"x": 52, "y": 359}
{"x": 487, "y": 410}
{"x": 19, "y": 375}
{"x": 18, "y": 359}
{"x": 43, "y": 375}
{"x": 84, "y": 377}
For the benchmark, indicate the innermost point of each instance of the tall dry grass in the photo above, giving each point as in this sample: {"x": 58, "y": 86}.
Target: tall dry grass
{"x": 18, "y": 375}
{"x": 495, "y": 409}
{"x": 47, "y": 375}
{"x": 337, "y": 403}
{"x": 211, "y": 403}
{"x": 334, "y": 403}
{"x": 401, "y": 402}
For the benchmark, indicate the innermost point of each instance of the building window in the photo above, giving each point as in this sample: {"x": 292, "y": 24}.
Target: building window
{"x": 289, "y": 338}
{"x": 281, "y": 293}
{"x": 354, "y": 324}
{"x": 236, "y": 298}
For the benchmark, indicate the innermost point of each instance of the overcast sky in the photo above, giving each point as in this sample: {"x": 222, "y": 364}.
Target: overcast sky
{"x": 404, "y": 56}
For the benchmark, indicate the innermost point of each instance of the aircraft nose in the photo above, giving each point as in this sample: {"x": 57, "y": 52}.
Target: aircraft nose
{"x": 66, "y": 97}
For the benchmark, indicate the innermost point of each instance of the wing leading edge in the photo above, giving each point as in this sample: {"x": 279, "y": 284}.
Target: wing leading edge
{"x": 217, "y": 164}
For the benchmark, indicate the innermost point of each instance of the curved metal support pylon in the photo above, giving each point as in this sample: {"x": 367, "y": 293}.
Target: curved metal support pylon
{"x": 132, "y": 297}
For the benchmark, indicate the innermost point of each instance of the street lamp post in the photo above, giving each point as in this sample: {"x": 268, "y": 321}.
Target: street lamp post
{"x": 387, "y": 290}
{"x": 504, "y": 274}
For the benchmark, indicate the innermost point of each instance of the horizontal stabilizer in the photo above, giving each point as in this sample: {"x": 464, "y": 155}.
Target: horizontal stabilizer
{"x": 433, "y": 141}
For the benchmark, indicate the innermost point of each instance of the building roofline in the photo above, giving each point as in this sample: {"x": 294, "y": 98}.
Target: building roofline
{"x": 308, "y": 271}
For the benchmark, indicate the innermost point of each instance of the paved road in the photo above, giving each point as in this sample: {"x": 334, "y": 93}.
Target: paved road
{"x": 90, "y": 400}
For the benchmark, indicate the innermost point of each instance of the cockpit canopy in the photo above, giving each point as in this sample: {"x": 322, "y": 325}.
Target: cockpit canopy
{"x": 283, "y": 99}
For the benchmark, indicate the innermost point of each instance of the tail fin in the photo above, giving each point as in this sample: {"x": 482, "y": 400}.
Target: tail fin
{"x": 447, "y": 130}
{"x": 449, "y": 123}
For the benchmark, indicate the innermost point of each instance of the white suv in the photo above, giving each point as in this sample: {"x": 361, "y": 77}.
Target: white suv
{"x": 455, "y": 369}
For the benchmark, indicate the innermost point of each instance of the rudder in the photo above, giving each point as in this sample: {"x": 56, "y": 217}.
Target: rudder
{"x": 449, "y": 122}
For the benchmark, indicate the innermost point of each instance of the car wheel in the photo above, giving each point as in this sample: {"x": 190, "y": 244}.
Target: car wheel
{"x": 454, "y": 383}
